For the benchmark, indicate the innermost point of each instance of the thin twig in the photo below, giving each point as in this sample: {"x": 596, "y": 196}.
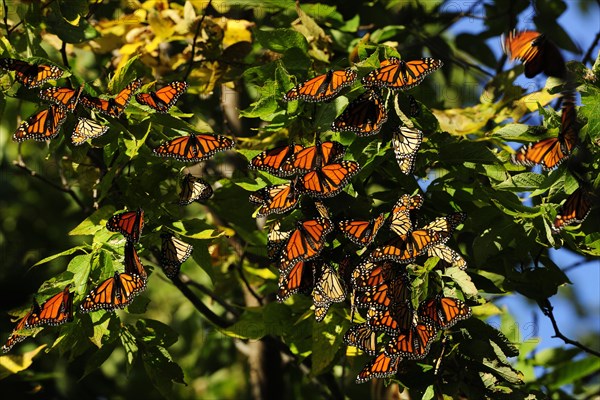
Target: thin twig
{"x": 200, "y": 306}
{"x": 190, "y": 282}
{"x": 63, "y": 53}
{"x": 250, "y": 289}
{"x": 20, "y": 164}
{"x": 189, "y": 69}
{"x": 21, "y": 21}
{"x": 588, "y": 54}
{"x": 6, "y": 19}
{"x": 547, "y": 308}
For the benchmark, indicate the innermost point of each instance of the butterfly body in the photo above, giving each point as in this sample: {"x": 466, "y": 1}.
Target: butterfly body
{"x": 128, "y": 223}
{"x": 174, "y": 252}
{"x": 62, "y": 96}
{"x": 305, "y": 242}
{"x": 359, "y": 232}
{"x": 273, "y": 159}
{"x": 277, "y": 199}
{"x": 113, "y": 107}
{"x": 194, "y": 188}
{"x": 43, "y": 125}
{"x": 323, "y": 87}
{"x": 30, "y": 75}
{"x": 87, "y": 129}
{"x": 194, "y": 148}
{"x": 163, "y": 99}
{"x": 329, "y": 180}
{"x": 537, "y": 53}
{"x": 364, "y": 116}
{"x": 574, "y": 211}
{"x": 115, "y": 292}
{"x": 397, "y": 74}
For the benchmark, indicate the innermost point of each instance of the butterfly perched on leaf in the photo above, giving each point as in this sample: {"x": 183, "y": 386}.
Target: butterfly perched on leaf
{"x": 163, "y": 99}
{"x": 551, "y": 152}
{"x": 128, "y": 223}
{"x": 363, "y": 337}
{"x": 323, "y": 87}
{"x": 536, "y": 51}
{"x": 87, "y": 129}
{"x": 406, "y": 142}
{"x": 405, "y": 248}
{"x": 43, "y": 125}
{"x": 194, "y": 188}
{"x": 328, "y": 288}
{"x": 55, "y": 311}
{"x": 272, "y": 160}
{"x": 30, "y": 75}
{"x": 414, "y": 342}
{"x": 360, "y": 232}
{"x": 401, "y": 218}
{"x": 364, "y": 116}
{"x": 443, "y": 312}
{"x": 297, "y": 279}
{"x": 397, "y": 74}
{"x": 62, "y": 96}
{"x": 133, "y": 264}
{"x": 382, "y": 366}
{"x": 313, "y": 157}
{"x": 328, "y": 180}
{"x": 115, "y": 292}
{"x": 174, "y": 252}
{"x": 448, "y": 255}
{"x": 113, "y": 107}
{"x": 194, "y": 148}
{"x": 306, "y": 242}
{"x": 574, "y": 211}
{"x": 277, "y": 199}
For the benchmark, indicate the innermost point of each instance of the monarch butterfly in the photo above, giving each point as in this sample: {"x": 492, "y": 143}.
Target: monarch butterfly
{"x": 368, "y": 274}
{"x": 299, "y": 278}
{"x": 117, "y": 291}
{"x": 43, "y": 125}
{"x": 133, "y": 265}
{"x": 398, "y": 317}
{"x": 15, "y": 337}
{"x": 448, "y": 255}
{"x": 401, "y": 75}
{"x": 394, "y": 290}
{"x": 194, "y": 148}
{"x": 30, "y": 75}
{"x": 382, "y": 366}
{"x": 552, "y": 152}
{"x": 113, "y": 107}
{"x": 362, "y": 337}
{"x": 322, "y": 87}
{"x": 361, "y": 233}
{"x": 444, "y": 312}
{"x": 276, "y": 239}
{"x": 574, "y": 210}
{"x": 413, "y": 343}
{"x": 62, "y": 96}
{"x": 163, "y": 99}
{"x": 405, "y": 248}
{"x": 174, "y": 252}
{"x": 364, "y": 116}
{"x": 306, "y": 242}
{"x": 277, "y": 199}
{"x": 87, "y": 129}
{"x": 128, "y": 223}
{"x": 194, "y": 188}
{"x": 55, "y": 311}
{"x": 329, "y": 180}
{"x": 273, "y": 159}
{"x": 401, "y": 222}
{"x": 314, "y": 157}
{"x": 406, "y": 142}
{"x": 328, "y": 289}
{"x": 537, "y": 53}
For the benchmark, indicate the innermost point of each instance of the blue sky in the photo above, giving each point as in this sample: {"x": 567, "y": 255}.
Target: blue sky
{"x": 585, "y": 278}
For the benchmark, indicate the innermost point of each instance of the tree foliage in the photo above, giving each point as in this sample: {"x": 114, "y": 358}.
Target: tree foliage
{"x": 217, "y": 330}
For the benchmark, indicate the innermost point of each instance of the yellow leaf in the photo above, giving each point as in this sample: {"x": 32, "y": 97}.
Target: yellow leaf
{"x": 12, "y": 364}
{"x": 464, "y": 121}
{"x": 237, "y": 30}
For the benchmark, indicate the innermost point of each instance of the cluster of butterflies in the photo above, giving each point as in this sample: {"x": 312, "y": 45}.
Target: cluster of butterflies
{"x": 539, "y": 54}
{"x": 116, "y": 292}
{"x": 366, "y": 114}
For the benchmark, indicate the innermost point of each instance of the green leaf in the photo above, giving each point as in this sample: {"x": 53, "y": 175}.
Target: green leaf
{"x": 61, "y": 254}
{"x": 572, "y": 372}
{"x": 94, "y": 222}
{"x": 281, "y": 39}
{"x": 463, "y": 280}
{"x": 161, "y": 369}
{"x": 80, "y": 267}
{"x": 327, "y": 339}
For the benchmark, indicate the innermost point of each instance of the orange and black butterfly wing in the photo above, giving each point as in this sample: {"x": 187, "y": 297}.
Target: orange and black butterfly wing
{"x": 382, "y": 366}
{"x": 329, "y": 180}
{"x": 194, "y": 148}
{"x": 163, "y": 99}
{"x": 43, "y": 125}
{"x": 362, "y": 337}
{"x": 364, "y": 116}
{"x": 174, "y": 252}
{"x": 443, "y": 312}
{"x": 537, "y": 53}
{"x": 15, "y": 337}
{"x": 87, "y": 129}
{"x": 194, "y": 188}
{"x": 276, "y": 199}
{"x": 133, "y": 264}
{"x": 368, "y": 274}
{"x": 113, "y": 107}
{"x": 397, "y": 317}
{"x": 413, "y": 343}
{"x": 57, "y": 310}
{"x": 30, "y": 75}
{"x": 62, "y": 96}
{"x": 115, "y": 292}
{"x": 401, "y": 75}
{"x": 548, "y": 152}
{"x": 313, "y": 157}
{"x": 359, "y": 232}
{"x": 323, "y": 87}
{"x": 298, "y": 278}
{"x": 574, "y": 210}
{"x": 306, "y": 241}
{"x": 273, "y": 160}
{"x": 129, "y": 224}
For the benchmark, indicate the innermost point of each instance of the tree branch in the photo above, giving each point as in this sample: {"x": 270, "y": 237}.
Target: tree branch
{"x": 190, "y": 282}
{"x": 189, "y": 69}
{"x": 588, "y": 54}
{"x": 6, "y": 19}
{"x": 547, "y": 308}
